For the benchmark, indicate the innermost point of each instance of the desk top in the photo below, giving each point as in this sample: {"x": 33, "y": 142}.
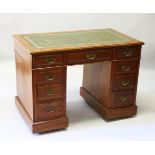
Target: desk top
{"x": 71, "y": 40}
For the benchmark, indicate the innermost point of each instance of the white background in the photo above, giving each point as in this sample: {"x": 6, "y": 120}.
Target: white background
{"x": 85, "y": 124}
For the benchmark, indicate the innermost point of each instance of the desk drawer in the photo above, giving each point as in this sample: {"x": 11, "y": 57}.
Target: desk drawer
{"x": 53, "y": 75}
{"x": 123, "y": 67}
{"x": 124, "y": 82}
{"x": 127, "y": 52}
{"x": 50, "y": 91}
{"x": 122, "y": 99}
{"x": 89, "y": 56}
{"x": 48, "y": 60}
{"x": 49, "y": 110}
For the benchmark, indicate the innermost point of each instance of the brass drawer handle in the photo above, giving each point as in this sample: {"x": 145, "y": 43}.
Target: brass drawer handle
{"x": 127, "y": 53}
{"x": 126, "y": 68}
{"x": 50, "y": 60}
{"x": 50, "y": 77}
{"x": 125, "y": 82}
{"x": 50, "y": 92}
{"x": 123, "y": 98}
{"x": 49, "y": 109}
{"x": 91, "y": 56}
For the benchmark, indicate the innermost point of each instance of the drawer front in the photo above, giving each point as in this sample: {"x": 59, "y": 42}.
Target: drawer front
{"x": 123, "y": 67}
{"x": 48, "y": 60}
{"x": 122, "y": 99}
{"x": 54, "y": 75}
{"x": 49, "y": 110}
{"x": 89, "y": 56}
{"x": 127, "y": 52}
{"x": 49, "y": 91}
{"x": 125, "y": 82}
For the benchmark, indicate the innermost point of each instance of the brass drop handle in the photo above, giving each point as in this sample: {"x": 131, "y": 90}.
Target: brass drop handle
{"x": 127, "y": 53}
{"x": 50, "y": 60}
{"x": 91, "y": 56}
{"x": 50, "y": 92}
{"x": 126, "y": 68}
{"x": 50, "y": 77}
{"x": 49, "y": 109}
{"x": 125, "y": 82}
{"x": 123, "y": 98}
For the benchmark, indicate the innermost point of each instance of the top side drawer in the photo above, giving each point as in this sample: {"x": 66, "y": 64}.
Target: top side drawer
{"x": 127, "y": 52}
{"x": 48, "y": 60}
{"x": 54, "y": 75}
{"x": 78, "y": 57}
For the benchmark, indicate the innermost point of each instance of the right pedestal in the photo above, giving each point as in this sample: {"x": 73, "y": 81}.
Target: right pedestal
{"x": 110, "y": 87}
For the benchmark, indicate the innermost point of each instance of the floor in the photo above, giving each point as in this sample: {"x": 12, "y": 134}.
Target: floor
{"x": 84, "y": 122}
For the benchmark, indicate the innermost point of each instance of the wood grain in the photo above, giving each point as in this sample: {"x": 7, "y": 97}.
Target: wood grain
{"x": 23, "y": 52}
{"x": 96, "y": 80}
{"x": 24, "y": 84}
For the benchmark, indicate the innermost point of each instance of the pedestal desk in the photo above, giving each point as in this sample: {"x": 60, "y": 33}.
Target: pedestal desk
{"x": 110, "y": 74}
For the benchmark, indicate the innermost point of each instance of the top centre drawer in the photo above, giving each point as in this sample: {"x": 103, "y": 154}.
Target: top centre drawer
{"x": 79, "y": 57}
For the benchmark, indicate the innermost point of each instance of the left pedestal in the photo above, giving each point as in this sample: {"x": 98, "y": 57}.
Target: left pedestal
{"x": 41, "y": 93}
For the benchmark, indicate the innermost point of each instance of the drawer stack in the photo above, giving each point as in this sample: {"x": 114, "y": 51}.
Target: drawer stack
{"x": 124, "y": 76}
{"x": 49, "y": 83}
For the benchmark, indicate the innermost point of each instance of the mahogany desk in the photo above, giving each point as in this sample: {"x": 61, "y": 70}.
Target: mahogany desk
{"x": 111, "y": 64}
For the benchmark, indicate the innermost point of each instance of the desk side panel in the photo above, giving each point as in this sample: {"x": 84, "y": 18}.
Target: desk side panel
{"x": 24, "y": 85}
{"x": 96, "y": 80}
{"x": 23, "y": 52}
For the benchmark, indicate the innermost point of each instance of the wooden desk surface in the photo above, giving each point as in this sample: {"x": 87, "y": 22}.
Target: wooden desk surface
{"x": 40, "y": 42}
